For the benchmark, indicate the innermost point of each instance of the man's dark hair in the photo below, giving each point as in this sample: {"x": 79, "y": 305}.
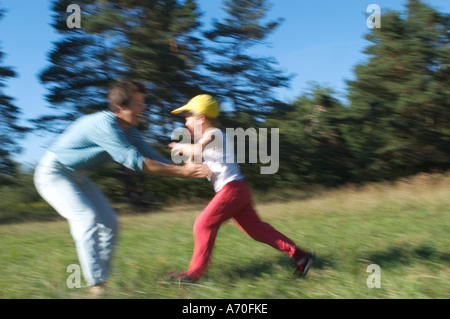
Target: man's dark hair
{"x": 122, "y": 94}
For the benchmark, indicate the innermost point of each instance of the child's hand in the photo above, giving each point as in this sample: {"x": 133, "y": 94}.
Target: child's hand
{"x": 183, "y": 149}
{"x": 176, "y": 147}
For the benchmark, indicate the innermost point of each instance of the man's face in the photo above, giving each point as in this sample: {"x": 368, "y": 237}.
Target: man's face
{"x": 130, "y": 116}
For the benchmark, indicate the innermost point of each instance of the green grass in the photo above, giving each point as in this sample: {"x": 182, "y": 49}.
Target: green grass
{"x": 403, "y": 227}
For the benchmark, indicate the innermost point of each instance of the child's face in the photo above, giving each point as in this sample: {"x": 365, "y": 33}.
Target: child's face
{"x": 194, "y": 124}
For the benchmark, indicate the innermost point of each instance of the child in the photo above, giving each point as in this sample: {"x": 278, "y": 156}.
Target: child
{"x": 233, "y": 195}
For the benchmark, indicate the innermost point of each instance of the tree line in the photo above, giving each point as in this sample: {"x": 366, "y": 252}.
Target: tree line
{"x": 396, "y": 122}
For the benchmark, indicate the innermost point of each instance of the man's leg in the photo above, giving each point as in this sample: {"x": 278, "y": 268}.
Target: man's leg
{"x": 107, "y": 225}
{"x": 66, "y": 196}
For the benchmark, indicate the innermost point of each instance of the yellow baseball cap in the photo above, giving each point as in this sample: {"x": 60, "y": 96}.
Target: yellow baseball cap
{"x": 203, "y": 104}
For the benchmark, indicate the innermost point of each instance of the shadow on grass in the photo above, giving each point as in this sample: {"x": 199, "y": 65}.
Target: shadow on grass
{"x": 403, "y": 255}
{"x": 272, "y": 267}
{"x": 10, "y": 218}
{"x": 395, "y": 256}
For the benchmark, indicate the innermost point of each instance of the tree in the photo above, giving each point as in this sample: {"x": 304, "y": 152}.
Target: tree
{"x": 243, "y": 81}
{"x": 152, "y": 41}
{"x": 400, "y": 98}
{"x": 160, "y": 48}
{"x": 82, "y": 67}
{"x": 10, "y": 130}
{"x": 165, "y": 52}
{"x": 313, "y": 148}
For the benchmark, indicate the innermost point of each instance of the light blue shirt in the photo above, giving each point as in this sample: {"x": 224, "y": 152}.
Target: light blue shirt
{"x": 95, "y": 139}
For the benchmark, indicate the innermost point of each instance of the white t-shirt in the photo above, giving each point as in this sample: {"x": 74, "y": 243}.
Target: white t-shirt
{"x": 220, "y": 160}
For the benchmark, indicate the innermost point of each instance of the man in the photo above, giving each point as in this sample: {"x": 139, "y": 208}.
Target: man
{"x": 92, "y": 140}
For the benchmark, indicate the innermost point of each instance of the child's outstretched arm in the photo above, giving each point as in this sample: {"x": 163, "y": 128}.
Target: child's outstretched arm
{"x": 193, "y": 151}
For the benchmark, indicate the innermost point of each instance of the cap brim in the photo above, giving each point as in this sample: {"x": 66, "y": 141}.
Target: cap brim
{"x": 180, "y": 109}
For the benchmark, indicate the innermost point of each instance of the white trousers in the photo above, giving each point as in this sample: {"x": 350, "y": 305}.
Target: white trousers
{"x": 93, "y": 222}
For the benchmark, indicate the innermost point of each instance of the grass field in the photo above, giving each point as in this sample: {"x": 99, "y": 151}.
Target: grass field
{"x": 403, "y": 227}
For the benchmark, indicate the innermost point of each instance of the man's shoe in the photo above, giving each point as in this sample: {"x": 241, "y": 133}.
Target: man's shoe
{"x": 97, "y": 290}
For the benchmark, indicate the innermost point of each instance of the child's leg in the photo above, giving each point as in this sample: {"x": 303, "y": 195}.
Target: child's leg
{"x": 249, "y": 222}
{"x": 252, "y": 225}
{"x": 222, "y": 207}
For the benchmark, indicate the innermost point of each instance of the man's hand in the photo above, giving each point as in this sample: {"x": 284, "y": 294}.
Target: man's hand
{"x": 190, "y": 170}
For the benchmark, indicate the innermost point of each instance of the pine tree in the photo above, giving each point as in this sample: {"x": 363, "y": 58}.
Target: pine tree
{"x": 312, "y": 143}
{"x": 10, "y": 130}
{"x": 83, "y": 65}
{"x": 400, "y": 98}
{"x": 243, "y": 81}
{"x": 153, "y": 42}
{"x": 165, "y": 52}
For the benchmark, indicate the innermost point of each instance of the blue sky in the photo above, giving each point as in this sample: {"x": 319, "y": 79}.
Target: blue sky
{"x": 320, "y": 41}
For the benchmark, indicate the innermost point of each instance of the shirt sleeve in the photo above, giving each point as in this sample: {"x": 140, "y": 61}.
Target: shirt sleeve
{"x": 112, "y": 139}
{"x": 146, "y": 150}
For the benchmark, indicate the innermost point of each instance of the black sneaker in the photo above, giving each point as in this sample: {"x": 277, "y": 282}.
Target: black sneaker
{"x": 303, "y": 264}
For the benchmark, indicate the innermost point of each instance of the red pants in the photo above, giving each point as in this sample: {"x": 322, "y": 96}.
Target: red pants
{"x": 234, "y": 200}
